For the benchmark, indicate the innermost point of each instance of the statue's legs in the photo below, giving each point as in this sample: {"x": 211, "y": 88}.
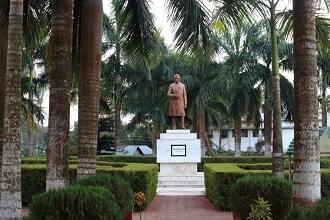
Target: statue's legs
{"x": 173, "y": 122}
{"x": 182, "y": 122}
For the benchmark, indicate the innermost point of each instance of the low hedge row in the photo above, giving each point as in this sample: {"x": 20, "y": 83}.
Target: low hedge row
{"x": 247, "y": 190}
{"x": 75, "y": 203}
{"x": 219, "y": 178}
{"x": 142, "y": 177}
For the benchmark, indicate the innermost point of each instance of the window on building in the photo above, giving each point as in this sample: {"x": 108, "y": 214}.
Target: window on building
{"x": 224, "y": 133}
{"x": 245, "y": 133}
{"x": 255, "y": 133}
{"x": 233, "y": 132}
{"x": 263, "y": 132}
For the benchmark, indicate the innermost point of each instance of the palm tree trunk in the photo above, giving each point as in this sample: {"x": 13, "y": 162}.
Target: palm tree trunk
{"x": 324, "y": 103}
{"x": 278, "y": 168}
{"x": 3, "y": 64}
{"x": 238, "y": 135}
{"x": 59, "y": 95}
{"x": 117, "y": 125}
{"x": 201, "y": 129}
{"x": 10, "y": 202}
{"x": 306, "y": 176}
{"x": 155, "y": 136}
{"x": 89, "y": 86}
{"x": 118, "y": 84}
{"x": 268, "y": 120}
{"x": 30, "y": 133}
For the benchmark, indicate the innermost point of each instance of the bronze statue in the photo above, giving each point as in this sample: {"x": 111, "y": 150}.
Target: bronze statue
{"x": 178, "y": 101}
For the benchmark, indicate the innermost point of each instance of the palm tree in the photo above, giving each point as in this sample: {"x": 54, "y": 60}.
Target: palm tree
{"x": 306, "y": 176}
{"x": 10, "y": 202}
{"x": 59, "y": 96}
{"x": 3, "y": 64}
{"x": 242, "y": 76}
{"x": 89, "y": 85}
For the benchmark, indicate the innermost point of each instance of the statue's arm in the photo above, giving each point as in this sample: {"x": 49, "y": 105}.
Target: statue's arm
{"x": 169, "y": 92}
{"x": 185, "y": 97}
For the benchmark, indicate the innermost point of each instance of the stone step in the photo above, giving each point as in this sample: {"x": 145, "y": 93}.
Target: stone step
{"x": 197, "y": 182}
{"x": 178, "y": 131}
{"x": 178, "y": 185}
{"x": 180, "y": 191}
{"x": 181, "y": 178}
{"x": 183, "y": 136}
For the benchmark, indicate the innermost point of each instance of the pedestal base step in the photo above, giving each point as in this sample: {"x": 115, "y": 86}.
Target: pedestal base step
{"x": 180, "y": 184}
{"x": 181, "y": 191}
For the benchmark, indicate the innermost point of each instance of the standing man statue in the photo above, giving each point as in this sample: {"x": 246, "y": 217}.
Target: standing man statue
{"x": 178, "y": 101}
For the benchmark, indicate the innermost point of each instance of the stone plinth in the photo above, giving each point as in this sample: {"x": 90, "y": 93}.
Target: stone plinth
{"x": 178, "y": 152}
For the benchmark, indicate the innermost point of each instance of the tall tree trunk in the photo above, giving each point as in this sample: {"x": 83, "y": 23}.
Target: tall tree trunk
{"x": 155, "y": 136}
{"x": 117, "y": 126}
{"x": 89, "y": 86}
{"x": 201, "y": 129}
{"x": 306, "y": 176}
{"x": 10, "y": 202}
{"x": 268, "y": 120}
{"x": 220, "y": 131}
{"x": 324, "y": 102}
{"x": 3, "y": 64}
{"x": 30, "y": 133}
{"x": 59, "y": 95}
{"x": 278, "y": 168}
{"x": 238, "y": 135}
{"x": 117, "y": 100}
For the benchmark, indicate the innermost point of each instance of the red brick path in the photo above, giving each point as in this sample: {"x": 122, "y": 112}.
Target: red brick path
{"x": 182, "y": 208}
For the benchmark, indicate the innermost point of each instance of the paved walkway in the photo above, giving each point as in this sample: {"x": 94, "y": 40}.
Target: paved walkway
{"x": 182, "y": 208}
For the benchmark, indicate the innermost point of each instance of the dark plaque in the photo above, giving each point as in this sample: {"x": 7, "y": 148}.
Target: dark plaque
{"x": 178, "y": 150}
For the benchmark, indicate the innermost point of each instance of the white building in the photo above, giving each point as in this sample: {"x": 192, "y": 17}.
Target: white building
{"x": 250, "y": 137}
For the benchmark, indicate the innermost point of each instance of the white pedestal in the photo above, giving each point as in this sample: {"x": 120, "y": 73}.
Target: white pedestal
{"x": 178, "y": 152}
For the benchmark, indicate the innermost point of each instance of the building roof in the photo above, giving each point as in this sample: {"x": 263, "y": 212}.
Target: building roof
{"x": 131, "y": 149}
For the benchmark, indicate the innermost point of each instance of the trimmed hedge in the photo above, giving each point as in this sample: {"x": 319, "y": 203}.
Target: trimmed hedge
{"x": 246, "y": 190}
{"x": 75, "y": 203}
{"x": 127, "y": 159}
{"x": 321, "y": 211}
{"x": 115, "y": 184}
{"x": 142, "y": 177}
{"x": 219, "y": 178}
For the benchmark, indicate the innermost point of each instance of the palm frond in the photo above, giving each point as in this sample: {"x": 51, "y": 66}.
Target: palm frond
{"x": 138, "y": 32}
{"x": 192, "y": 21}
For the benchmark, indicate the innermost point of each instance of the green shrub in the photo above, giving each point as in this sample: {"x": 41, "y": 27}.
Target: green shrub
{"x": 127, "y": 159}
{"x": 142, "y": 177}
{"x": 115, "y": 184}
{"x": 260, "y": 210}
{"x": 219, "y": 177}
{"x": 321, "y": 211}
{"x": 75, "y": 203}
{"x": 247, "y": 189}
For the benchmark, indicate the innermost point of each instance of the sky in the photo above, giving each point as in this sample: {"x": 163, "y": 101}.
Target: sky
{"x": 158, "y": 8}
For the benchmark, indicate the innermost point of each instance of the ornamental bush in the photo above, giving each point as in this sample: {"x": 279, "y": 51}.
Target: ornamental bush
{"x": 75, "y": 203}
{"x": 321, "y": 211}
{"x": 115, "y": 184}
{"x": 246, "y": 190}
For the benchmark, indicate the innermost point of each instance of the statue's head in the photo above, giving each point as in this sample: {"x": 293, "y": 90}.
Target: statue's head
{"x": 177, "y": 78}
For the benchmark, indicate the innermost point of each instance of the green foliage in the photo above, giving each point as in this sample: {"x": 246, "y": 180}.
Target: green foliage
{"x": 321, "y": 211}
{"x": 219, "y": 177}
{"x": 247, "y": 189}
{"x": 260, "y": 145}
{"x": 106, "y": 139}
{"x": 115, "y": 184}
{"x": 75, "y": 203}
{"x": 260, "y": 210}
{"x": 127, "y": 159}
{"x": 142, "y": 177}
